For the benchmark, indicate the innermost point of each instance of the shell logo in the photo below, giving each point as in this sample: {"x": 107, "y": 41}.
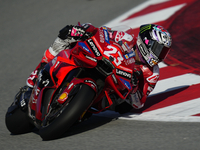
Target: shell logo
{"x": 63, "y": 97}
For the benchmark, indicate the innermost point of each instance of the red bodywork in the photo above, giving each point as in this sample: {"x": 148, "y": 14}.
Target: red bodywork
{"x": 87, "y": 54}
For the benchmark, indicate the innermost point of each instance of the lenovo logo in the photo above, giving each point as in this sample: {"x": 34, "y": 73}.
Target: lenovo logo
{"x": 123, "y": 74}
{"x": 93, "y": 47}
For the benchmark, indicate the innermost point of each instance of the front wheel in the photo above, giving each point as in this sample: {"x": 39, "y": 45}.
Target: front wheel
{"x": 67, "y": 117}
{"x": 16, "y": 118}
{"x": 17, "y": 122}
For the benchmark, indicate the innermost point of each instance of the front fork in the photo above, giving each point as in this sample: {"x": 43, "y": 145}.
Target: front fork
{"x": 21, "y": 100}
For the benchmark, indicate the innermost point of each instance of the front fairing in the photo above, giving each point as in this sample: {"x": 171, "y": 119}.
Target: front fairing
{"x": 57, "y": 70}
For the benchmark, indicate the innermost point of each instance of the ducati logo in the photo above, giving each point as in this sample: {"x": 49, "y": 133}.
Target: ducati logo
{"x": 119, "y": 36}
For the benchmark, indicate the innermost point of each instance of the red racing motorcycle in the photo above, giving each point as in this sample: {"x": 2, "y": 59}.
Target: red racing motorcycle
{"x": 72, "y": 85}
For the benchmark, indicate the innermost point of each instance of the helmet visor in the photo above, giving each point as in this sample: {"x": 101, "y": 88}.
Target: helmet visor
{"x": 159, "y": 50}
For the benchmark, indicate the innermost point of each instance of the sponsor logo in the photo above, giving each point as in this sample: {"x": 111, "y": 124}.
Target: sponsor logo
{"x": 125, "y": 68}
{"x": 94, "y": 47}
{"x": 129, "y": 55}
{"x": 126, "y": 83}
{"x": 35, "y": 96}
{"x": 101, "y": 34}
{"x": 124, "y": 47}
{"x": 123, "y": 35}
{"x": 46, "y": 82}
{"x": 45, "y": 59}
{"x": 142, "y": 50}
{"x": 84, "y": 46}
{"x": 153, "y": 79}
{"x": 119, "y": 36}
{"x": 85, "y": 26}
{"x": 123, "y": 74}
{"x": 130, "y": 61}
{"x": 63, "y": 96}
{"x": 145, "y": 28}
{"x": 106, "y": 35}
{"x": 23, "y": 103}
{"x": 94, "y": 85}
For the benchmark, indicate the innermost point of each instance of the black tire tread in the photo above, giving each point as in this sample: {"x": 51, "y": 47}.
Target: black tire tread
{"x": 18, "y": 122}
{"x": 70, "y": 115}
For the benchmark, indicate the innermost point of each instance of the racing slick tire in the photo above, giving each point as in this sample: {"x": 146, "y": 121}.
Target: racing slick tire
{"x": 71, "y": 113}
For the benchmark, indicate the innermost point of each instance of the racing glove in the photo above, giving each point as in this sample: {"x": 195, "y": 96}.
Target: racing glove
{"x": 70, "y": 31}
{"x": 68, "y": 35}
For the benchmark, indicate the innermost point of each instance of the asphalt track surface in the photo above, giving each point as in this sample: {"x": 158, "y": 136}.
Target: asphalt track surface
{"x": 27, "y": 29}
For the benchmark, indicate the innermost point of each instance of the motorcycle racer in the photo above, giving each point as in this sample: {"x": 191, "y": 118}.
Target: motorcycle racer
{"x": 151, "y": 47}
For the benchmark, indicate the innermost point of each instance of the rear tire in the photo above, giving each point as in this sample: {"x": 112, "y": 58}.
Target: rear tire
{"x": 75, "y": 108}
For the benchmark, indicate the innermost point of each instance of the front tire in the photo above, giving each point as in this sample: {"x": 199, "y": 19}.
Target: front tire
{"x": 16, "y": 118}
{"x": 17, "y": 122}
{"x": 74, "y": 109}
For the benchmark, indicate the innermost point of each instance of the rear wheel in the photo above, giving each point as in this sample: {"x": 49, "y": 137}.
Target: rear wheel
{"x": 59, "y": 120}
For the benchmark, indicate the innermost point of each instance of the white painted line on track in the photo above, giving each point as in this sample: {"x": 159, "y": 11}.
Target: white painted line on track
{"x": 140, "y": 7}
{"x": 153, "y": 17}
{"x": 187, "y": 108}
{"x": 176, "y": 82}
{"x": 181, "y": 112}
{"x": 146, "y": 117}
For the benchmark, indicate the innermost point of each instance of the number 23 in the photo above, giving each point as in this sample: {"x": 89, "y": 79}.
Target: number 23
{"x": 113, "y": 50}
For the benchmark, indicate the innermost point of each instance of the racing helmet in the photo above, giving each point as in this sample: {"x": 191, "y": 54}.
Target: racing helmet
{"x": 153, "y": 44}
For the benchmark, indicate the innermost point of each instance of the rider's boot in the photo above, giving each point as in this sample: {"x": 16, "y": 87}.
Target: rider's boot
{"x": 34, "y": 75}
{"x": 136, "y": 100}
